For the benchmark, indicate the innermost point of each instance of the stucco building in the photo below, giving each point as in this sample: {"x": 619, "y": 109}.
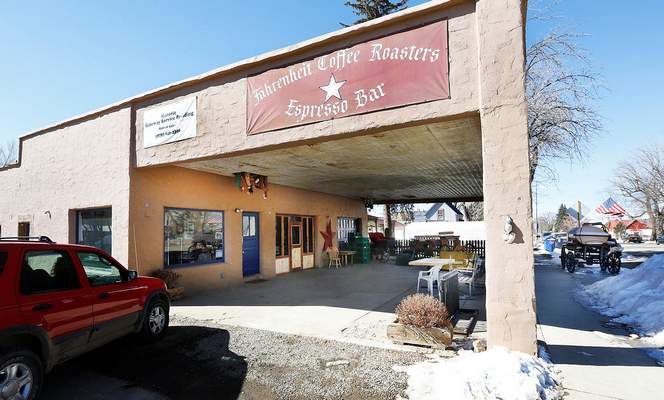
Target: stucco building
{"x": 426, "y": 105}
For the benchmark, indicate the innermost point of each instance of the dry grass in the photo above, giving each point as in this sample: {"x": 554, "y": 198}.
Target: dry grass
{"x": 424, "y": 311}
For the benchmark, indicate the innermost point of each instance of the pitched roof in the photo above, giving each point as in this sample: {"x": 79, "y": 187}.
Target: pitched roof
{"x": 436, "y": 206}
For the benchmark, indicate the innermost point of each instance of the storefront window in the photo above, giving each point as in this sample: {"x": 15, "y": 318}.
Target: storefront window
{"x": 308, "y": 232}
{"x": 193, "y": 237}
{"x": 295, "y": 235}
{"x": 279, "y": 242}
{"x": 95, "y": 228}
{"x": 282, "y": 236}
{"x": 345, "y": 225}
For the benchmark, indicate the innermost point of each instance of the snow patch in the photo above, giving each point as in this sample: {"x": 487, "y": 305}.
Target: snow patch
{"x": 494, "y": 374}
{"x": 634, "y": 297}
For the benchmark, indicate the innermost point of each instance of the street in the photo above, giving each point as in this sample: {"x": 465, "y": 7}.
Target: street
{"x": 597, "y": 358}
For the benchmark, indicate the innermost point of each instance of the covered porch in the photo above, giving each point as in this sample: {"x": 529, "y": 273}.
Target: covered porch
{"x": 351, "y": 304}
{"x": 441, "y": 160}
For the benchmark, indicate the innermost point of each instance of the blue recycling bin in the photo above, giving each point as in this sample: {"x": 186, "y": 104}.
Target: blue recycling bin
{"x": 549, "y": 244}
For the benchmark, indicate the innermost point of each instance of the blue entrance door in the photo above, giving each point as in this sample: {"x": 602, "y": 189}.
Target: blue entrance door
{"x": 250, "y": 245}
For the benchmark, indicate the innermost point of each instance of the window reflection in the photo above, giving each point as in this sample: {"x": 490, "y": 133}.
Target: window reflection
{"x": 193, "y": 237}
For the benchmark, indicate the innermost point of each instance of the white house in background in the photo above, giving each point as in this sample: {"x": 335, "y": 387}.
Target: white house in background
{"x": 439, "y": 212}
{"x": 466, "y": 230}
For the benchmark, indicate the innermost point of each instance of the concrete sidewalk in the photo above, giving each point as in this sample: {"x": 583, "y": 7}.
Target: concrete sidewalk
{"x": 595, "y": 357}
{"x": 353, "y": 304}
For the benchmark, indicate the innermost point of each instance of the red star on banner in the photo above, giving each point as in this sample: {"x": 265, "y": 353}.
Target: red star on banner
{"x": 328, "y": 236}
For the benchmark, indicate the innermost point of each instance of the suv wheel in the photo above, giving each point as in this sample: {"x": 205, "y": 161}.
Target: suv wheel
{"x": 155, "y": 322}
{"x": 21, "y": 375}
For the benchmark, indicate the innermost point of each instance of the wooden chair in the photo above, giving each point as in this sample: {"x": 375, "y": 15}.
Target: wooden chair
{"x": 333, "y": 254}
{"x": 468, "y": 274}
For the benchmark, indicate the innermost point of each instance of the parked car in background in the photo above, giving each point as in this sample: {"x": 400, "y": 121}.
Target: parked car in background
{"x": 633, "y": 238}
{"x": 660, "y": 239}
{"x": 58, "y": 301}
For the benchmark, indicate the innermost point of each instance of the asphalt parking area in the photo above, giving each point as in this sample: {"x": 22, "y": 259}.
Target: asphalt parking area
{"x": 172, "y": 368}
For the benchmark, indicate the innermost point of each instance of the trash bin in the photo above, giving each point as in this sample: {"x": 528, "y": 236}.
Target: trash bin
{"x": 549, "y": 245}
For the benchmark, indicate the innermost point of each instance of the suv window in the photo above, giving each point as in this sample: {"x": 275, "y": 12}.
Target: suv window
{"x": 100, "y": 270}
{"x": 48, "y": 271}
{"x": 3, "y": 260}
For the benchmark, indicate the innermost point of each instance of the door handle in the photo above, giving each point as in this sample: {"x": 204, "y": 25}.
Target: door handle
{"x": 42, "y": 307}
{"x": 104, "y": 295}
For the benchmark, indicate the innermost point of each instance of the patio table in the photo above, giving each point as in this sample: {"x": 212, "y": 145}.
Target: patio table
{"x": 432, "y": 262}
{"x": 345, "y": 254}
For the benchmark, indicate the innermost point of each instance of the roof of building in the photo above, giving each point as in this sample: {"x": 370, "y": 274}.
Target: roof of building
{"x": 631, "y": 224}
{"x": 436, "y": 206}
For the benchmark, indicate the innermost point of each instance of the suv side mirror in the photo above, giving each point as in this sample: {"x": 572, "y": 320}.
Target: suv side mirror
{"x": 132, "y": 275}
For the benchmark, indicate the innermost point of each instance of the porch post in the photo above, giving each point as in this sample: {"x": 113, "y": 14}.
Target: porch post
{"x": 510, "y": 289}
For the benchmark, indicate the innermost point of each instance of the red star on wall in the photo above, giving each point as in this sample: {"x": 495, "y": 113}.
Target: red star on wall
{"x": 328, "y": 236}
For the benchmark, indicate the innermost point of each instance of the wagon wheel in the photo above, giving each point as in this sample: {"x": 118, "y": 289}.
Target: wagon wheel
{"x": 604, "y": 263}
{"x": 614, "y": 264}
{"x": 570, "y": 262}
{"x": 562, "y": 257}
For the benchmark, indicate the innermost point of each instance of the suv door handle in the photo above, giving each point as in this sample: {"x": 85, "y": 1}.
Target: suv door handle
{"x": 42, "y": 307}
{"x": 104, "y": 295}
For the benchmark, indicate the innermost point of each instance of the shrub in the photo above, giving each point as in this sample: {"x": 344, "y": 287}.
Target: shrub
{"x": 169, "y": 277}
{"x": 423, "y": 311}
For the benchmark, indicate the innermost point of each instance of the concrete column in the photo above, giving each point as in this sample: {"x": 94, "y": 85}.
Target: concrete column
{"x": 510, "y": 288}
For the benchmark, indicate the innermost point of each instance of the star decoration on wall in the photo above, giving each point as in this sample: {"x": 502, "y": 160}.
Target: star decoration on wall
{"x": 328, "y": 236}
{"x": 332, "y": 89}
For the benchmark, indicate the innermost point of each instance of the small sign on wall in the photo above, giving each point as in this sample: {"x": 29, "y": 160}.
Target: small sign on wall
{"x": 170, "y": 123}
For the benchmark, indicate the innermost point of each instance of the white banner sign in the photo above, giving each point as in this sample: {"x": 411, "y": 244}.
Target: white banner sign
{"x": 170, "y": 123}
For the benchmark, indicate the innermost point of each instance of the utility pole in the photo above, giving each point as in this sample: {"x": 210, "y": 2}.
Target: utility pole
{"x": 537, "y": 232}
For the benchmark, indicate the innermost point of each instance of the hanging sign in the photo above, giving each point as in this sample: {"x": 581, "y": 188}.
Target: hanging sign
{"x": 169, "y": 123}
{"x": 405, "y": 68}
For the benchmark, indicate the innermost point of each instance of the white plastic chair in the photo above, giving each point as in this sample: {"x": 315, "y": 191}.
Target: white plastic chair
{"x": 430, "y": 276}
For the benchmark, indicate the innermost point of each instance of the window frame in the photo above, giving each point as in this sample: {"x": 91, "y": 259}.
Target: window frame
{"x": 124, "y": 272}
{"x": 285, "y": 235}
{"x": 343, "y": 230}
{"x": 23, "y": 223}
{"x": 308, "y": 240}
{"x": 78, "y": 212}
{"x": 222, "y": 260}
{"x": 64, "y": 252}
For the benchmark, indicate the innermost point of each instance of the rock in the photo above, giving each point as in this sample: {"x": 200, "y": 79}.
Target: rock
{"x": 479, "y": 345}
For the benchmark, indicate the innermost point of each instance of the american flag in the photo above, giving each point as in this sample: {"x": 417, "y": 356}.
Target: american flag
{"x": 610, "y": 207}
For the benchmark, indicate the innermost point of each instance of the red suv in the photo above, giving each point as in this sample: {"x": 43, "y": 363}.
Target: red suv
{"x": 59, "y": 300}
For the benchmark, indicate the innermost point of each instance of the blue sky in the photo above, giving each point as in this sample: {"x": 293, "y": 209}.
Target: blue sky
{"x": 627, "y": 46}
{"x": 62, "y": 59}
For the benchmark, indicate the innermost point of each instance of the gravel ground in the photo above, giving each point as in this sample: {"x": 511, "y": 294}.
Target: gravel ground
{"x": 281, "y": 366}
{"x": 205, "y": 360}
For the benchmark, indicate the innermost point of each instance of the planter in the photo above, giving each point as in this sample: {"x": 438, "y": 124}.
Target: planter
{"x": 438, "y": 338}
{"x": 176, "y": 293}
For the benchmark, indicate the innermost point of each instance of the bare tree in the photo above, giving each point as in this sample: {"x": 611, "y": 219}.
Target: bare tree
{"x": 546, "y": 222}
{"x": 472, "y": 211}
{"x": 561, "y": 89}
{"x": 8, "y": 153}
{"x": 404, "y": 212}
{"x": 640, "y": 180}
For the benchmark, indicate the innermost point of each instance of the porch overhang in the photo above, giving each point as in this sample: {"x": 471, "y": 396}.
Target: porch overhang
{"x": 439, "y": 161}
